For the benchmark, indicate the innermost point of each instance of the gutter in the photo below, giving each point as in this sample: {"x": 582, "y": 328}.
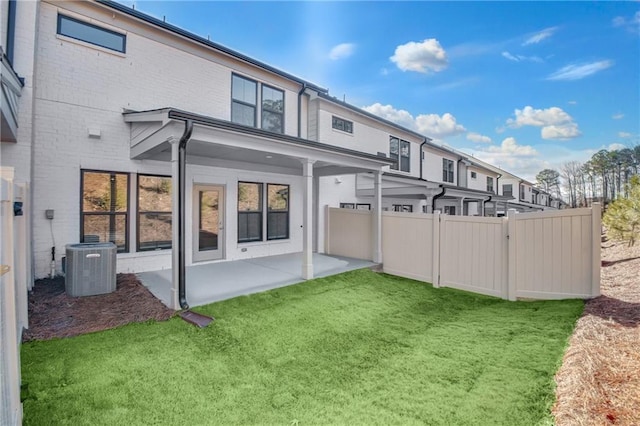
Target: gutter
{"x": 435, "y": 197}
{"x": 424, "y": 142}
{"x": 182, "y": 166}
{"x": 300, "y": 93}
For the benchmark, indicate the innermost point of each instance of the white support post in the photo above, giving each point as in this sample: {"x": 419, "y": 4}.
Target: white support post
{"x": 512, "y": 239}
{"x": 175, "y": 225}
{"x": 461, "y": 207}
{"x": 377, "y": 217}
{"x": 307, "y": 219}
{"x": 436, "y": 248}
{"x": 596, "y": 232}
{"x": 504, "y": 273}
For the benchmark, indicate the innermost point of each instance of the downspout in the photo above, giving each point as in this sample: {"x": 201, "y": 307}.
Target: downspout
{"x": 182, "y": 166}
{"x": 11, "y": 30}
{"x": 435, "y": 197}
{"x": 484, "y": 207}
{"x": 498, "y": 184}
{"x": 304, "y": 87}
{"x": 422, "y": 156}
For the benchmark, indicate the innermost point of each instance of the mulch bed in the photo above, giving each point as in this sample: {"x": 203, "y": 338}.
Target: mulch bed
{"x": 54, "y": 314}
{"x": 599, "y": 381}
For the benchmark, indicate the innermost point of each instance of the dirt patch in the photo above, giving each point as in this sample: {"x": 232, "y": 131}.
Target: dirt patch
{"x": 599, "y": 382}
{"x": 54, "y": 314}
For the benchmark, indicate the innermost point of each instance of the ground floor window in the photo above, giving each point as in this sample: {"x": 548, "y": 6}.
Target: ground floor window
{"x": 407, "y": 208}
{"x": 357, "y": 206}
{"x": 451, "y": 210}
{"x": 249, "y": 212}
{"x": 277, "y": 212}
{"x": 253, "y": 202}
{"x": 104, "y": 208}
{"x": 154, "y": 213}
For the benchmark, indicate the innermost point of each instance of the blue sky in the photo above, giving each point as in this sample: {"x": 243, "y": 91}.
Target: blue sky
{"x": 524, "y": 85}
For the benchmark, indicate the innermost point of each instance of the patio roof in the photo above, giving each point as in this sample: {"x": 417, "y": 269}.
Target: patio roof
{"x": 220, "y": 143}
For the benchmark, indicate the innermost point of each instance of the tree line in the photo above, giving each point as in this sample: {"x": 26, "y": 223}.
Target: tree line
{"x": 603, "y": 178}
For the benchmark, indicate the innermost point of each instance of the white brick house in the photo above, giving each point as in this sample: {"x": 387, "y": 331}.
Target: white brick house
{"x": 112, "y": 93}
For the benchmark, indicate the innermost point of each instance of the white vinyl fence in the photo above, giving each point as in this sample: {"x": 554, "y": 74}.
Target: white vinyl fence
{"x": 349, "y": 233}
{"x": 541, "y": 255}
{"x": 15, "y": 278}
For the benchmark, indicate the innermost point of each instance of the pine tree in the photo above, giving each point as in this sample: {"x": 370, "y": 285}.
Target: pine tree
{"x": 622, "y": 217}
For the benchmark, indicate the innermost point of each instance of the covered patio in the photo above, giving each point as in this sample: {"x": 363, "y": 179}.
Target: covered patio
{"x": 209, "y": 156}
{"x": 212, "y": 282}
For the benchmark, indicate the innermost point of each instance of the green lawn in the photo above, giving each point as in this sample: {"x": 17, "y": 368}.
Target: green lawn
{"x": 356, "y": 348}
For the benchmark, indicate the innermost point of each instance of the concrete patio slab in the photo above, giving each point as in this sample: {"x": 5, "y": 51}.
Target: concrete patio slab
{"x": 217, "y": 281}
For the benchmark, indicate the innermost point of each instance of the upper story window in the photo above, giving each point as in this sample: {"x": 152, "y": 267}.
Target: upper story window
{"x": 400, "y": 151}
{"x": 90, "y": 33}
{"x": 341, "y": 124}
{"x": 474, "y": 175}
{"x": 507, "y": 190}
{"x": 244, "y": 94}
{"x": 447, "y": 170}
{"x": 522, "y": 192}
{"x": 489, "y": 184}
{"x": 272, "y": 109}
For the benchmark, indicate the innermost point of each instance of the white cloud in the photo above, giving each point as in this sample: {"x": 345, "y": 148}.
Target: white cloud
{"x": 510, "y": 147}
{"x": 577, "y": 72}
{"x": 424, "y": 57}
{"x": 631, "y": 24}
{"x": 388, "y": 112}
{"x": 617, "y": 116}
{"x": 431, "y": 125}
{"x": 573, "y": 102}
{"x": 522, "y": 160}
{"x": 565, "y": 131}
{"x": 616, "y": 147}
{"x": 555, "y": 123}
{"x": 624, "y": 135}
{"x": 477, "y": 137}
{"x": 437, "y": 126}
{"x": 341, "y": 51}
{"x": 520, "y": 58}
{"x": 539, "y": 36}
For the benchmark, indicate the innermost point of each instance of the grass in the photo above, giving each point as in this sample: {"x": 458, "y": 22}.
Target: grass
{"x": 355, "y": 348}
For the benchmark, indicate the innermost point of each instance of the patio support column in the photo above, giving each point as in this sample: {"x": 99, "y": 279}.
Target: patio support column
{"x": 175, "y": 226}
{"x": 377, "y": 217}
{"x": 307, "y": 219}
{"x": 461, "y": 207}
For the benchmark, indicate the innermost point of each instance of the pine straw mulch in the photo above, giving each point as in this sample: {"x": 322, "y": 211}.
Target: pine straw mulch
{"x": 54, "y": 314}
{"x": 599, "y": 381}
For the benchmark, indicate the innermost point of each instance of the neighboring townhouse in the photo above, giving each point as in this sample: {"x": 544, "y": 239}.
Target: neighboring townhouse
{"x": 519, "y": 194}
{"x": 337, "y": 123}
{"x": 466, "y": 186}
{"x": 424, "y": 178}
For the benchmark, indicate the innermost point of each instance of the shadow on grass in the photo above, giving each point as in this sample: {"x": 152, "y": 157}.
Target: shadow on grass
{"x": 608, "y": 308}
